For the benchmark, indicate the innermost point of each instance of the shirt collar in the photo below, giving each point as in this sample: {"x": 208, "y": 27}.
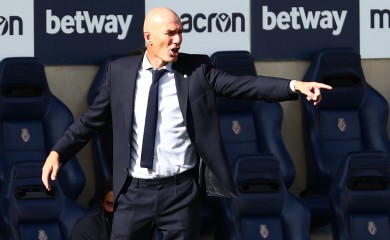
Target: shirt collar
{"x": 147, "y": 65}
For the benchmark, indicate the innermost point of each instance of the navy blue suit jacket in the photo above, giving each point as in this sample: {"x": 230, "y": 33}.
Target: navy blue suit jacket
{"x": 198, "y": 83}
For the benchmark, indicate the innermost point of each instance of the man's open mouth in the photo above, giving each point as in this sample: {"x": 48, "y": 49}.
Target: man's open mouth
{"x": 175, "y": 50}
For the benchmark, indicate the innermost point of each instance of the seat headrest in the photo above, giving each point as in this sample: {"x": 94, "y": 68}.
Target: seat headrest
{"x": 260, "y": 183}
{"x": 24, "y": 186}
{"x": 337, "y": 58}
{"x": 368, "y": 165}
{"x": 369, "y": 173}
{"x": 262, "y": 167}
{"x": 365, "y": 182}
{"x": 265, "y": 168}
{"x": 23, "y": 86}
{"x": 22, "y": 71}
{"x": 234, "y": 62}
{"x": 22, "y": 76}
{"x": 341, "y": 69}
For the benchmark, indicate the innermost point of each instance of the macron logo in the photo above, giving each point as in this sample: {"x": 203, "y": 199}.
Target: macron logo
{"x": 82, "y": 23}
{"x": 297, "y": 18}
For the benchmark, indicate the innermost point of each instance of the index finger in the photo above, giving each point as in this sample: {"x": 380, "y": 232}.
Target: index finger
{"x": 322, "y": 85}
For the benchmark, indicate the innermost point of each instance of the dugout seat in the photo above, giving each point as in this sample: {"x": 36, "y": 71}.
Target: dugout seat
{"x": 351, "y": 117}
{"x": 263, "y": 170}
{"x": 264, "y": 208}
{"x": 250, "y": 126}
{"x": 29, "y": 211}
{"x": 360, "y": 198}
{"x": 32, "y": 119}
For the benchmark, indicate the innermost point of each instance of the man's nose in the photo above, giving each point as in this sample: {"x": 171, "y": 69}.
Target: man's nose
{"x": 177, "y": 39}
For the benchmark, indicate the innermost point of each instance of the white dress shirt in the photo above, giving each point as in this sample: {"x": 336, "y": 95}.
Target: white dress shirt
{"x": 174, "y": 151}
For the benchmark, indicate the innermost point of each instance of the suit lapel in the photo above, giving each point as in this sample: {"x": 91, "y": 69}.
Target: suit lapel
{"x": 130, "y": 73}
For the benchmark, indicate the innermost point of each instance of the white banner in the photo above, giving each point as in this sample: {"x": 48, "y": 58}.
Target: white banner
{"x": 211, "y": 25}
{"x": 16, "y": 28}
{"x": 375, "y": 28}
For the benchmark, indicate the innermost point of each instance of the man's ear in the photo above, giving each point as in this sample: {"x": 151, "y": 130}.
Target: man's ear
{"x": 148, "y": 38}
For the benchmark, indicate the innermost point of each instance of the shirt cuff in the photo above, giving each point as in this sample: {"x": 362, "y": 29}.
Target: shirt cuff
{"x": 292, "y": 86}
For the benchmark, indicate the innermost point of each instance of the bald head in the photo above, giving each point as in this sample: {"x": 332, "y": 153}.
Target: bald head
{"x": 157, "y": 16}
{"x": 163, "y": 36}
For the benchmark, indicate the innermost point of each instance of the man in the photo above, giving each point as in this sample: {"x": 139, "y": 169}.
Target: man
{"x": 97, "y": 223}
{"x": 187, "y": 150}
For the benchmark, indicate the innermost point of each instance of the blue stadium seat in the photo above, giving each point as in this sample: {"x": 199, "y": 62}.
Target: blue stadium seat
{"x": 264, "y": 208}
{"x": 351, "y": 117}
{"x": 263, "y": 169}
{"x": 29, "y": 211}
{"x": 32, "y": 119}
{"x": 360, "y": 197}
{"x": 250, "y": 126}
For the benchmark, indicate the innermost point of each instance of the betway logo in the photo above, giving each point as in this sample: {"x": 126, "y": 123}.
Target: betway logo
{"x": 82, "y": 23}
{"x": 298, "y": 18}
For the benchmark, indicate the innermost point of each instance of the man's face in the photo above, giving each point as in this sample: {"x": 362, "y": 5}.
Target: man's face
{"x": 107, "y": 203}
{"x": 165, "y": 39}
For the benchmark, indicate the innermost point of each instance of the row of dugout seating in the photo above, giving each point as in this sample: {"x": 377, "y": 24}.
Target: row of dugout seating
{"x": 351, "y": 120}
{"x": 32, "y": 119}
{"x": 346, "y": 143}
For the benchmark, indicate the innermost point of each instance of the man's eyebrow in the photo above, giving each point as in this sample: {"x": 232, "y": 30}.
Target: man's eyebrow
{"x": 173, "y": 31}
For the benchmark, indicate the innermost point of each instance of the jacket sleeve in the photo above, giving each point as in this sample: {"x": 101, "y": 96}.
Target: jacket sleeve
{"x": 270, "y": 89}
